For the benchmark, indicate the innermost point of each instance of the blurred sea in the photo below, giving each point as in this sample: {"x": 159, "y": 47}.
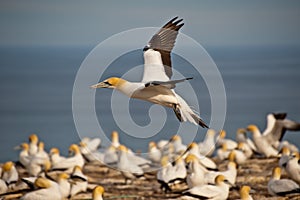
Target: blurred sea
{"x": 36, "y": 93}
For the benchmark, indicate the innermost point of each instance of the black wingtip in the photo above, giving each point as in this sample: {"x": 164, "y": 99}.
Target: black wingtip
{"x": 189, "y": 78}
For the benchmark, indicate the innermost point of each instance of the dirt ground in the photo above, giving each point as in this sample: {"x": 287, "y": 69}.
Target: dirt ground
{"x": 255, "y": 173}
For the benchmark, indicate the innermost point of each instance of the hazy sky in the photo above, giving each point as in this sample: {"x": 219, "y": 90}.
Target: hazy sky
{"x": 89, "y": 22}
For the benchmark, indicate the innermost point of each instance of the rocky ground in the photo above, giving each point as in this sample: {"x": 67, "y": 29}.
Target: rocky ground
{"x": 255, "y": 173}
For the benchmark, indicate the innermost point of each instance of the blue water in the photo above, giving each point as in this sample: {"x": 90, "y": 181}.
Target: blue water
{"x": 36, "y": 93}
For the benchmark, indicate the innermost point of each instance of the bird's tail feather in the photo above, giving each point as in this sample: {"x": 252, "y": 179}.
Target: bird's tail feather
{"x": 187, "y": 114}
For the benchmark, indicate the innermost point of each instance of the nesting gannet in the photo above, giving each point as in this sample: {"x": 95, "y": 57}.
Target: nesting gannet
{"x": 219, "y": 191}
{"x": 180, "y": 171}
{"x": 221, "y": 139}
{"x": 154, "y": 154}
{"x": 277, "y": 125}
{"x": 156, "y": 86}
{"x": 195, "y": 171}
{"x": 10, "y": 174}
{"x": 241, "y": 136}
{"x": 245, "y": 193}
{"x": 205, "y": 161}
{"x": 223, "y": 152}
{"x": 237, "y": 156}
{"x": 41, "y": 153}
{"x": 79, "y": 181}
{"x": 290, "y": 146}
{"x": 3, "y": 186}
{"x": 92, "y": 144}
{"x": 70, "y": 162}
{"x": 230, "y": 174}
{"x": 64, "y": 184}
{"x": 177, "y": 143}
{"x": 165, "y": 174}
{"x": 129, "y": 170}
{"x": 261, "y": 142}
{"x": 110, "y": 155}
{"x": 207, "y": 146}
{"x": 33, "y": 144}
{"x": 293, "y": 168}
{"x": 245, "y": 148}
{"x": 285, "y": 156}
{"x": 281, "y": 187}
{"x": 98, "y": 192}
{"x": 49, "y": 190}
{"x": 115, "y": 139}
{"x": 55, "y": 156}
{"x": 24, "y": 154}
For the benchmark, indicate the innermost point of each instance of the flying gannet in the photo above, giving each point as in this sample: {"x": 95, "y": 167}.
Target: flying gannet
{"x": 156, "y": 86}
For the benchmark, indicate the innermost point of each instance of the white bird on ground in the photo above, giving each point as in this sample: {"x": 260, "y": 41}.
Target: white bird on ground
{"x": 196, "y": 171}
{"x": 241, "y": 136}
{"x": 277, "y": 125}
{"x": 10, "y": 174}
{"x": 285, "y": 157}
{"x": 219, "y": 191}
{"x": 293, "y": 168}
{"x": 64, "y": 184}
{"x": 223, "y": 152}
{"x": 230, "y": 174}
{"x": 176, "y": 141}
{"x": 24, "y": 154}
{"x": 237, "y": 156}
{"x": 129, "y": 170}
{"x": 49, "y": 190}
{"x": 98, "y": 192}
{"x": 156, "y": 86}
{"x": 222, "y": 139}
{"x": 55, "y": 156}
{"x": 41, "y": 153}
{"x": 3, "y": 186}
{"x": 208, "y": 145}
{"x": 281, "y": 187}
{"x": 262, "y": 144}
{"x": 154, "y": 154}
{"x": 79, "y": 181}
{"x": 110, "y": 155}
{"x": 245, "y": 148}
{"x": 245, "y": 193}
{"x": 180, "y": 171}
{"x": 33, "y": 144}
{"x": 165, "y": 174}
{"x": 70, "y": 162}
{"x": 205, "y": 161}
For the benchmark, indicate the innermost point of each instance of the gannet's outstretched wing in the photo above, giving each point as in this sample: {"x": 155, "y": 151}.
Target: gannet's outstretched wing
{"x": 157, "y": 54}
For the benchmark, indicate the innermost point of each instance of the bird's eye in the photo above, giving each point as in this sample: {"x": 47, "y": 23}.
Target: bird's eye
{"x": 106, "y": 82}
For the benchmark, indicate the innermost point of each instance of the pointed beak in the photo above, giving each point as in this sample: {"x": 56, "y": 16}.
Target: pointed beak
{"x": 99, "y": 85}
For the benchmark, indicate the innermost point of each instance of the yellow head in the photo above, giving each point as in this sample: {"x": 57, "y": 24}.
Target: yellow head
{"x": 252, "y": 128}
{"x": 7, "y": 166}
{"x": 98, "y": 191}
{"x": 54, "y": 151}
{"x": 77, "y": 168}
{"x": 112, "y": 82}
{"x": 285, "y": 151}
{"x": 231, "y": 156}
{"x": 191, "y": 158}
{"x": 164, "y": 161}
{"x": 211, "y": 132}
{"x": 192, "y": 145}
{"x": 231, "y": 164}
{"x": 33, "y": 138}
{"x": 219, "y": 179}
{"x": 63, "y": 176}
{"x": 25, "y": 146}
{"x": 244, "y": 192}
{"x": 241, "y": 131}
{"x": 176, "y": 138}
{"x": 47, "y": 165}
{"x": 41, "y": 146}
{"x": 224, "y": 146}
{"x": 276, "y": 173}
{"x": 74, "y": 148}
{"x": 122, "y": 148}
{"x": 42, "y": 183}
{"x": 222, "y": 134}
{"x": 151, "y": 145}
{"x": 241, "y": 145}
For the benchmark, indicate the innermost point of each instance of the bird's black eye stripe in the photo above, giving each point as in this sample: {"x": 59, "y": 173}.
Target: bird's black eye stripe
{"x": 146, "y": 48}
{"x": 106, "y": 82}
